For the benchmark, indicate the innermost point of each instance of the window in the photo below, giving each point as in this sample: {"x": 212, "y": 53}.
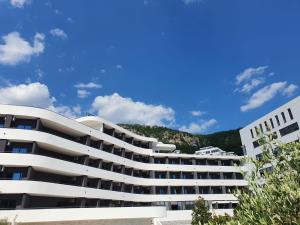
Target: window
{"x": 256, "y": 131}
{"x": 261, "y": 128}
{"x": 255, "y": 144}
{"x": 23, "y": 126}
{"x": 19, "y": 150}
{"x": 277, "y": 120}
{"x": 259, "y": 156}
{"x": 267, "y": 126}
{"x": 272, "y": 124}
{"x": 252, "y": 133}
{"x": 290, "y": 114}
{"x": 283, "y": 117}
{"x": 17, "y": 176}
{"x": 289, "y": 129}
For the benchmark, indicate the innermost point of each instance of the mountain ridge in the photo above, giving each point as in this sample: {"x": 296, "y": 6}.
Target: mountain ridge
{"x": 228, "y": 140}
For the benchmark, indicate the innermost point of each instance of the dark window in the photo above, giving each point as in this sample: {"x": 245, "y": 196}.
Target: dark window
{"x": 272, "y": 124}
{"x": 267, "y": 126}
{"x": 283, "y": 117}
{"x": 277, "y": 120}
{"x": 17, "y": 176}
{"x": 259, "y": 156}
{"x": 290, "y": 114}
{"x": 19, "y": 150}
{"x": 23, "y": 126}
{"x": 261, "y": 128}
{"x": 255, "y": 144}
{"x": 289, "y": 129}
{"x": 256, "y": 131}
{"x": 252, "y": 133}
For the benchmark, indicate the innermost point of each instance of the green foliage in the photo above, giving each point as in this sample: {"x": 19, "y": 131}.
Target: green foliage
{"x": 219, "y": 220}
{"x": 4, "y": 222}
{"x": 200, "y": 214}
{"x": 188, "y": 143}
{"x": 273, "y": 199}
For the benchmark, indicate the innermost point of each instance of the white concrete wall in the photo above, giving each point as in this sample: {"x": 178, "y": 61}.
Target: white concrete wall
{"x": 245, "y": 133}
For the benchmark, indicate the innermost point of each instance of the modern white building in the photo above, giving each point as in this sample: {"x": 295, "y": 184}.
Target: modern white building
{"x": 282, "y": 122}
{"x": 58, "y": 170}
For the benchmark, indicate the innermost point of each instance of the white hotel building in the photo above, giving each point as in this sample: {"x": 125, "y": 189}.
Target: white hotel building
{"x": 56, "y": 170}
{"x": 283, "y": 122}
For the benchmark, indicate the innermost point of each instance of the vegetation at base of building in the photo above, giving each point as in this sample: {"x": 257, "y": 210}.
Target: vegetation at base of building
{"x": 4, "y": 222}
{"x": 201, "y": 215}
{"x": 229, "y": 141}
{"x": 271, "y": 199}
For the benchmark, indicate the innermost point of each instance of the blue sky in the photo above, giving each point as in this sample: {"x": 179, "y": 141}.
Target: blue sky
{"x": 199, "y": 66}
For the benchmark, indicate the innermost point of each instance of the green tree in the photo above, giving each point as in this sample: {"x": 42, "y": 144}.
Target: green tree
{"x": 275, "y": 199}
{"x": 200, "y": 214}
{"x": 4, "y": 222}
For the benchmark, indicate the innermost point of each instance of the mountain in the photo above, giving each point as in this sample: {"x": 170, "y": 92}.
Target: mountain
{"x": 189, "y": 143}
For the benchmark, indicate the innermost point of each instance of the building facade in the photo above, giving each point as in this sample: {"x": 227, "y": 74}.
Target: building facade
{"x": 282, "y": 123}
{"x": 48, "y": 161}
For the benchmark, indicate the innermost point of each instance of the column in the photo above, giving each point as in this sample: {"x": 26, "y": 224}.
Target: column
{"x": 24, "y": 202}
{"x": 34, "y": 148}
{"x": 7, "y": 121}
{"x": 38, "y": 125}
{"x": 3, "y": 144}
{"x": 30, "y": 173}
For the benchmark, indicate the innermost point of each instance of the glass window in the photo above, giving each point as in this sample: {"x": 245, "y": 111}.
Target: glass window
{"x": 272, "y": 124}
{"x": 17, "y": 176}
{"x": 277, "y": 120}
{"x": 261, "y": 128}
{"x": 283, "y": 117}
{"x": 267, "y": 126}
{"x": 25, "y": 127}
{"x": 290, "y": 114}
{"x": 19, "y": 150}
{"x": 252, "y": 133}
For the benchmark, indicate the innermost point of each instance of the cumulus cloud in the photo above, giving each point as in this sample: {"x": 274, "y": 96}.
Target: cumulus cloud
{"x": 59, "y": 33}
{"x": 34, "y": 94}
{"x": 90, "y": 85}
{"x": 197, "y": 113}
{"x": 124, "y": 110}
{"x": 248, "y": 87}
{"x": 289, "y": 90}
{"x": 267, "y": 93}
{"x": 248, "y": 73}
{"x": 83, "y": 93}
{"x": 15, "y": 49}
{"x": 196, "y": 128}
{"x": 19, "y": 3}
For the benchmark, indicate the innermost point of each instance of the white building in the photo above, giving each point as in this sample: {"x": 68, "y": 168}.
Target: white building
{"x": 283, "y": 122}
{"x": 57, "y": 170}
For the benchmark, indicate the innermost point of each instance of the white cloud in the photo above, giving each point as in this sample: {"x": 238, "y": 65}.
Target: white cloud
{"x": 201, "y": 127}
{"x": 59, "y": 33}
{"x": 265, "y": 94}
{"x": 197, "y": 113}
{"x": 124, "y": 110}
{"x": 16, "y": 50}
{"x": 289, "y": 90}
{"x": 19, "y": 3}
{"x": 34, "y": 94}
{"x": 188, "y": 2}
{"x": 249, "y": 73}
{"x": 90, "y": 85}
{"x": 83, "y": 93}
{"x": 248, "y": 87}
